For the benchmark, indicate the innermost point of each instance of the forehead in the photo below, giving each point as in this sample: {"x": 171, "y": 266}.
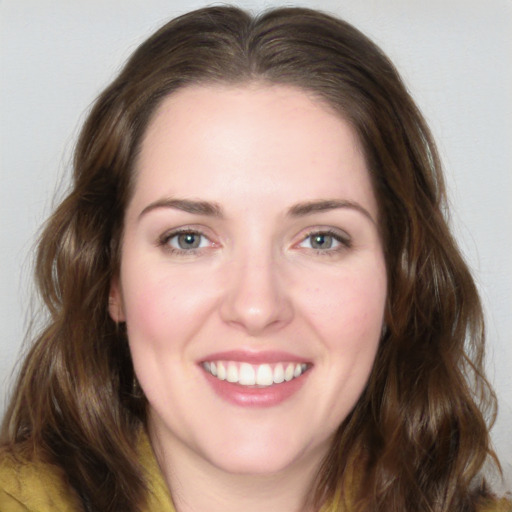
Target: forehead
{"x": 258, "y": 139}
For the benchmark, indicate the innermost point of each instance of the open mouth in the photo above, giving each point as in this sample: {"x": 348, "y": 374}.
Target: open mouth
{"x": 255, "y": 375}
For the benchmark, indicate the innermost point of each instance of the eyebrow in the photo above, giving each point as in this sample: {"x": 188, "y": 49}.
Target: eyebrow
{"x": 212, "y": 209}
{"x": 311, "y": 207}
{"x": 186, "y": 205}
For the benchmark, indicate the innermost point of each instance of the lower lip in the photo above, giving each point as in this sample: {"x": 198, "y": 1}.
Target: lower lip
{"x": 255, "y": 397}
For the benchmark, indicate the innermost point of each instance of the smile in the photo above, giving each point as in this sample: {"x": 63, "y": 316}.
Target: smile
{"x": 261, "y": 375}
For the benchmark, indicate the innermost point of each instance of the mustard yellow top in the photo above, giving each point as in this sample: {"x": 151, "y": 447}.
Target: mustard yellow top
{"x": 40, "y": 487}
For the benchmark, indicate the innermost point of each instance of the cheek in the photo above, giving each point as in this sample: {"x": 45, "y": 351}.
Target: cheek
{"x": 347, "y": 313}
{"x": 163, "y": 307}
{"x": 349, "y": 308}
{"x": 162, "y": 316}
{"x": 349, "y": 319}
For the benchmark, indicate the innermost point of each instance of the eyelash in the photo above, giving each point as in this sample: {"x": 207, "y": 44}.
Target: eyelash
{"x": 164, "y": 240}
{"x": 344, "y": 241}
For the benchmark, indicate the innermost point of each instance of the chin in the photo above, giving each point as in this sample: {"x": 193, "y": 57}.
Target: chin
{"x": 254, "y": 464}
{"x": 266, "y": 455}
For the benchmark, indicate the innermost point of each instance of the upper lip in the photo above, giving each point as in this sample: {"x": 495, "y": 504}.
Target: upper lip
{"x": 255, "y": 357}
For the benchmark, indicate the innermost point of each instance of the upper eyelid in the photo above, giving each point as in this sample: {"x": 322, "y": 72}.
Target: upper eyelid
{"x": 199, "y": 230}
{"x": 337, "y": 232}
{"x": 342, "y": 235}
{"x": 166, "y": 236}
{"x": 343, "y": 239}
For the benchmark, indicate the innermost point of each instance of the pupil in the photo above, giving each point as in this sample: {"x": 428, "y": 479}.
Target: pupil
{"x": 188, "y": 241}
{"x": 322, "y": 241}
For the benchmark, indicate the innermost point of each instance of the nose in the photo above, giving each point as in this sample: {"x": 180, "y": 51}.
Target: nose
{"x": 256, "y": 299}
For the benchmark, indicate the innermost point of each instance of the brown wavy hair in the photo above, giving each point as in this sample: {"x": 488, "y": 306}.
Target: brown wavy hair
{"x": 417, "y": 436}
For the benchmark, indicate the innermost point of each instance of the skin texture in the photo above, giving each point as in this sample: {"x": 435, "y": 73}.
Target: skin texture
{"x": 256, "y": 283}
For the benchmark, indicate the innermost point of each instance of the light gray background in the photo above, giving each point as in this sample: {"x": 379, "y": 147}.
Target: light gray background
{"x": 455, "y": 56}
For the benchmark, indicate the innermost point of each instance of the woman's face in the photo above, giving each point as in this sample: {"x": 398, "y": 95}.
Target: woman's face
{"x": 252, "y": 278}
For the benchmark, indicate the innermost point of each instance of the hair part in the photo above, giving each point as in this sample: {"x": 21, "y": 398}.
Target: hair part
{"x": 417, "y": 434}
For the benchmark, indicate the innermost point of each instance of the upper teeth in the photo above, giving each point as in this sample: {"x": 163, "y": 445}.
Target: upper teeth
{"x": 254, "y": 374}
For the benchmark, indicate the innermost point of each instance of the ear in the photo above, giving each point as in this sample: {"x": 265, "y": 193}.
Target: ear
{"x": 115, "y": 302}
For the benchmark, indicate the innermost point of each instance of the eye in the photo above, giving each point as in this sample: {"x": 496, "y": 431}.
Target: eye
{"x": 320, "y": 241}
{"x": 185, "y": 241}
{"x": 325, "y": 241}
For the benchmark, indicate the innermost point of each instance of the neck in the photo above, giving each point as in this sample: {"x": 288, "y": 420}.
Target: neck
{"x": 197, "y": 485}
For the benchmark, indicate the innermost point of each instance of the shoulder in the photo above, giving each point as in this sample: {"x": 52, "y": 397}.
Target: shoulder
{"x": 34, "y": 487}
{"x": 503, "y": 505}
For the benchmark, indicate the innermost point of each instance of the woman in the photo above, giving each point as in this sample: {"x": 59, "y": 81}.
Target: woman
{"x": 255, "y": 301}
